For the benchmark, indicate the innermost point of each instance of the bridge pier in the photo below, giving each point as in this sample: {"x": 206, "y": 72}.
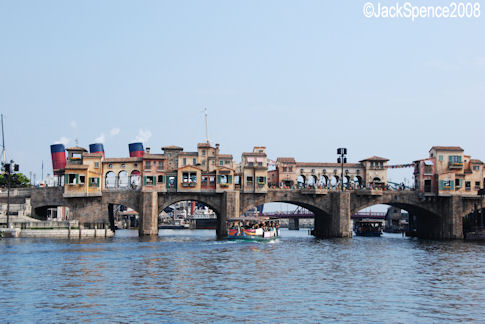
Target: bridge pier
{"x": 229, "y": 210}
{"x": 293, "y": 224}
{"x": 337, "y": 224}
{"x": 148, "y": 215}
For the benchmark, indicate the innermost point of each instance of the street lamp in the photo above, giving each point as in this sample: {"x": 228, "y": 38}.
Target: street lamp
{"x": 342, "y": 151}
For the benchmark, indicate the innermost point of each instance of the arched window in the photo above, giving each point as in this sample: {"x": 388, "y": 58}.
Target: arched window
{"x": 110, "y": 180}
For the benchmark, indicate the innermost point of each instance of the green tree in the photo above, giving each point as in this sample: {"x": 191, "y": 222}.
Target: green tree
{"x": 16, "y": 180}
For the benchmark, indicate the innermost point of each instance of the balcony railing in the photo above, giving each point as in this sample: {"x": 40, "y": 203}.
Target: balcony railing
{"x": 455, "y": 165}
{"x": 188, "y": 184}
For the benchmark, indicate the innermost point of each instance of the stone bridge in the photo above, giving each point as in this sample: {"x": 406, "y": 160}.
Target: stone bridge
{"x": 436, "y": 217}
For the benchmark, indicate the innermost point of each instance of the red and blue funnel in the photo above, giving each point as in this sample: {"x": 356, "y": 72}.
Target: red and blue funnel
{"x": 58, "y": 153}
{"x": 136, "y": 149}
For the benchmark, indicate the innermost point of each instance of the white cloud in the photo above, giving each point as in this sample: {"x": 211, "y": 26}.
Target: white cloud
{"x": 114, "y": 131}
{"x": 63, "y": 140}
{"x": 100, "y": 139}
{"x": 73, "y": 124}
{"x": 143, "y": 135}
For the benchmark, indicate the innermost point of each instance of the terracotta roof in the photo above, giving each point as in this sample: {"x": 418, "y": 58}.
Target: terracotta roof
{"x": 223, "y": 167}
{"x": 76, "y": 148}
{"x": 254, "y": 153}
{"x": 225, "y": 156}
{"x": 154, "y": 156}
{"x": 476, "y": 161}
{"x": 446, "y": 148}
{"x": 375, "y": 158}
{"x": 189, "y": 153}
{"x": 204, "y": 145}
{"x": 286, "y": 160}
{"x": 189, "y": 166}
{"x": 76, "y": 167}
{"x": 325, "y": 164}
{"x": 92, "y": 154}
{"x": 172, "y": 147}
{"x": 125, "y": 159}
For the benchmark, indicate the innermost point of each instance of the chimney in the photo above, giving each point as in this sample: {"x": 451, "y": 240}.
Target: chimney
{"x": 217, "y": 148}
{"x": 148, "y": 150}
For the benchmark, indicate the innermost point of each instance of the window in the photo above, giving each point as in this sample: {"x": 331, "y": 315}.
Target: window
{"x": 71, "y": 179}
{"x": 284, "y": 169}
{"x": 110, "y": 165}
{"x": 82, "y": 179}
{"x": 203, "y": 162}
{"x": 213, "y": 162}
{"x": 212, "y": 180}
{"x": 468, "y": 185}
{"x": 446, "y": 185}
{"x": 260, "y": 163}
{"x": 457, "y": 183}
{"x": 249, "y": 180}
{"x": 194, "y": 161}
{"x": 476, "y": 168}
{"x": 160, "y": 165}
{"x": 203, "y": 152}
{"x": 96, "y": 165}
{"x": 204, "y": 180}
{"x": 441, "y": 157}
{"x": 123, "y": 165}
{"x": 147, "y": 165}
{"x": 261, "y": 180}
{"x": 136, "y": 165}
{"x": 184, "y": 161}
{"x": 94, "y": 182}
{"x": 227, "y": 162}
{"x": 150, "y": 181}
{"x": 291, "y": 169}
{"x": 160, "y": 178}
{"x": 251, "y": 163}
{"x": 221, "y": 162}
{"x": 477, "y": 184}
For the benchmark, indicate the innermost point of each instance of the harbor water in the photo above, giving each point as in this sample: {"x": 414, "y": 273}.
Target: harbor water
{"x": 186, "y": 276}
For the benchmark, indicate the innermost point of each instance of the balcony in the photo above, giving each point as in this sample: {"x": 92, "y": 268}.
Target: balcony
{"x": 455, "y": 165}
{"x": 189, "y": 184}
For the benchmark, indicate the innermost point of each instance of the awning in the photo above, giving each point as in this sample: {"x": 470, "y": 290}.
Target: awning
{"x": 259, "y": 159}
{"x": 428, "y": 162}
{"x": 250, "y": 159}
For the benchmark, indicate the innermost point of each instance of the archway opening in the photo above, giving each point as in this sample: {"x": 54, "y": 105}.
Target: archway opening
{"x": 474, "y": 223}
{"x": 324, "y": 181}
{"x": 403, "y": 219}
{"x": 122, "y": 217}
{"x": 110, "y": 180}
{"x": 291, "y": 216}
{"x": 187, "y": 215}
{"x": 48, "y": 213}
{"x": 302, "y": 181}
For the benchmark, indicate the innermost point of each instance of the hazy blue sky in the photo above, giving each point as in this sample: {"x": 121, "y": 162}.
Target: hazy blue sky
{"x": 301, "y": 77}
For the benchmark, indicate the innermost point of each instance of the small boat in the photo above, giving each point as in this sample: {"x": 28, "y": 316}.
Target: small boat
{"x": 253, "y": 229}
{"x": 368, "y": 228}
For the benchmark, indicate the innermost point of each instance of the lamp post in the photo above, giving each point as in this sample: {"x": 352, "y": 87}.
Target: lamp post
{"x": 342, "y": 151}
{"x": 8, "y": 168}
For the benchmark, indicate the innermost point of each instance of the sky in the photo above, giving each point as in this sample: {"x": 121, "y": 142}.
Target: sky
{"x": 299, "y": 77}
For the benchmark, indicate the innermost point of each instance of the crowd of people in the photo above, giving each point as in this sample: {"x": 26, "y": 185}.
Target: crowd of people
{"x": 266, "y": 225}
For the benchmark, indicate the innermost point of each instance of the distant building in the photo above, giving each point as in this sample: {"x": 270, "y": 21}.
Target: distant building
{"x": 397, "y": 220}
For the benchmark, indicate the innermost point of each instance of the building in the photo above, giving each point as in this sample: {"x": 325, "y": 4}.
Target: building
{"x": 371, "y": 172}
{"x": 448, "y": 171}
{"x": 254, "y": 170}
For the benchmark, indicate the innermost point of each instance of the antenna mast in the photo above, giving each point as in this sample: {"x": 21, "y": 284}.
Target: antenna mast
{"x": 206, "y": 127}
{"x": 4, "y": 155}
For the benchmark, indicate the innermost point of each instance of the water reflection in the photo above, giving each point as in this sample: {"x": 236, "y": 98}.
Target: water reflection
{"x": 188, "y": 276}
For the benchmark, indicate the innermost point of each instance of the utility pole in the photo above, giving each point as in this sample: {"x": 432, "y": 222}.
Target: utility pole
{"x": 342, "y": 151}
{"x": 206, "y": 126}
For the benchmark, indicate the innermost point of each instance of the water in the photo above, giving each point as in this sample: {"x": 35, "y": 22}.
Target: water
{"x": 189, "y": 277}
